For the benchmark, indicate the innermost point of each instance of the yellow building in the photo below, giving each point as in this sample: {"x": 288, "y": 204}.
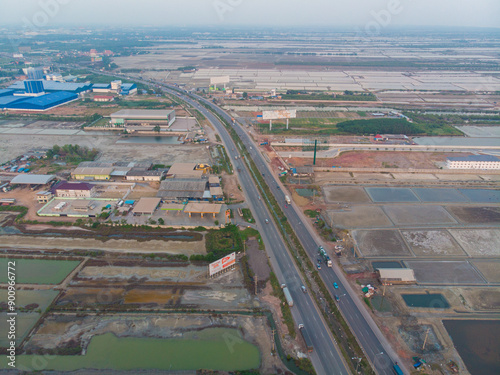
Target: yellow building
{"x": 87, "y": 173}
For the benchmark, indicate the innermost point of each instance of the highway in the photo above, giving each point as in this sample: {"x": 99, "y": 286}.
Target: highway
{"x": 369, "y": 336}
{"x": 326, "y": 356}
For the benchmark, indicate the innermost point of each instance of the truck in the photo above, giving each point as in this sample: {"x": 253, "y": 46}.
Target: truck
{"x": 264, "y": 143}
{"x": 397, "y": 369}
{"x": 287, "y": 198}
{"x": 325, "y": 256}
{"x": 306, "y": 337}
{"x": 287, "y": 294}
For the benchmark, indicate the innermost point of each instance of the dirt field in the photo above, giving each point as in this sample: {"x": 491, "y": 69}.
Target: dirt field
{"x": 476, "y": 215}
{"x": 482, "y": 298}
{"x": 230, "y": 186}
{"x": 345, "y": 194}
{"x": 392, "y": 159}
{"x": 360, "y": 217}
{"x": 380, "y": 243}
{"x": 478, "y": 242}
{"x": 418, "y": 215}
{"x": 13, "y": 145}
{"x": 446, "y": 273}
{"x": 490, "y": 270}
{"x": 432, "y": 243}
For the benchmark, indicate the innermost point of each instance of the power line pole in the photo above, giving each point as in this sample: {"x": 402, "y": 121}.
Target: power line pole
{"x": 425, "y": 340}
{"x": 273, "y": 332}
{"x": 255, "y": 280}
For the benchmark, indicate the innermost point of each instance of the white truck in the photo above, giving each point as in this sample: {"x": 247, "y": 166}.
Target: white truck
{"x": 287, "y": 199}
{"x": 287, "y": 294}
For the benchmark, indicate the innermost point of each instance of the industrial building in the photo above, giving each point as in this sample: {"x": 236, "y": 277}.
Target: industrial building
{"x": 86, "y": 173}
{"x": 103, "y": 98}
{"x": 143, "y": 117}
{"x": 390, "y": 276}
{"x": 180, "y": 190}
{"x": 473, "y": 162}
{"x": 144, "y": 175}
{"x": 66, "y": 189}
{"x": 188, "y": 170}
{"x": 38, "y": 103}
{"x": 116, "y": 87}
{"x": 146, "y": 206}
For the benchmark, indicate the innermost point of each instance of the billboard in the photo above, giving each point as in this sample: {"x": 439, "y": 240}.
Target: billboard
{"x": 279, "y": 114}
{"x": 221, "y": 264}
{"x": 219, "y": 80}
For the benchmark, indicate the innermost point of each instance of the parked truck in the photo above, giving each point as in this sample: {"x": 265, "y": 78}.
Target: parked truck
{"x": 287, "y": 294}
{"x": 306, "y": 337}
{"x": 264, "y": 143}
{"x": 287, "y": 198}
{"x": 325, "y": 256}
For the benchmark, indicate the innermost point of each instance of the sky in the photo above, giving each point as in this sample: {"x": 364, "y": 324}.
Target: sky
{"x": 287, "y": 13}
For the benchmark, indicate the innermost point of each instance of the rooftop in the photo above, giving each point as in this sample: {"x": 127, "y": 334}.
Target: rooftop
{"x": 143, "y": 172}
{"x": 185, "y": 169}
{"x": 32, "y": 179}
{"x": 92, "y": 171}
{"x": 403, "y": 274}
{"x": 143, "y": 114}
{"x": 203, "y": 208}
{"x": 146, "y": 205}
{"x": 65, "y": 185}
{"x": 474, "y": 158}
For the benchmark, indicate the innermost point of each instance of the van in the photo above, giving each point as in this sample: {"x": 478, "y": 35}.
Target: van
{"x": 303, "y": 289}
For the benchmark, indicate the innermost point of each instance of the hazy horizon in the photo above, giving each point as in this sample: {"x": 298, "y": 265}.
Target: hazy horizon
{"x": 364, "y": 14}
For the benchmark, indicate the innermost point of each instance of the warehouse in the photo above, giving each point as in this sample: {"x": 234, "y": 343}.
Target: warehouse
{"x": 146, "y": 206}
{"x": 390, "y": 276}
{"x": 41, "y": 103}
{"x": 473, "y": 162}
{"x": 183, "y": 190}
{"x": 86, "y": 173}
{"x": 143, "y": 117}
{"x": 144, "y": 175}
{"x": 186, "y": 170}
{"x": 115, "y": 87}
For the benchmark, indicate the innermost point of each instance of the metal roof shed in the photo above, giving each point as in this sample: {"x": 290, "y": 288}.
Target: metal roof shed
{"x": 32, "y": 179}
{"x": 146, "y": 206}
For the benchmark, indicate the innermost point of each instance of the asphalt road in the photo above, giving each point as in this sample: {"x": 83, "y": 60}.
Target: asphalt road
{"x": 326, "y": 356}
{"x": 375, "y": 345}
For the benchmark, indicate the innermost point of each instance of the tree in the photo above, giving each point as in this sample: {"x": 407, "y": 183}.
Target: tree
{"x": 161, "y": 221}
{"x": 157, "y": 129}
{"x": 245, "y": 95}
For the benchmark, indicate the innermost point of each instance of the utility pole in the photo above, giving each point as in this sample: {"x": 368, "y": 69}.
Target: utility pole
{"x": 273, "y": 332}
{"x": 256, "y": 279}
{"x": 425, "y": 340}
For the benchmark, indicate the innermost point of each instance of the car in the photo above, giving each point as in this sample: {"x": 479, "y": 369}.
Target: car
{"x": 319, "y": 266}
{"x": 319, "y": 260}
{"x": 267, "y": 221}
{"x": 277, "y": 186}
{"x": 337, "y": 298}
{"x": 335, "y": 285}
{"x": 303, "y": 289}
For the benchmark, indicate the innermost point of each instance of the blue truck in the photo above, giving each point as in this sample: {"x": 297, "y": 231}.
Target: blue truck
{"x": 397, "y": 369}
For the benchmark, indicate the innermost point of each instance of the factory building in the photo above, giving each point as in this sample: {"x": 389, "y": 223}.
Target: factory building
{"x": 473, "y": 162}
{"x": 37, "y": 103}
{"x": 143, "y": 118}
{"x": 86, "y": 173}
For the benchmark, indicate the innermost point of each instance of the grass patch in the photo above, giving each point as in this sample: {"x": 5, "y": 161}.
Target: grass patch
{"x": 311, "y": 213}
{"x": 247, "y": 215}
{"x": 285, "y": 309}
{"x": 219, "y": 243}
